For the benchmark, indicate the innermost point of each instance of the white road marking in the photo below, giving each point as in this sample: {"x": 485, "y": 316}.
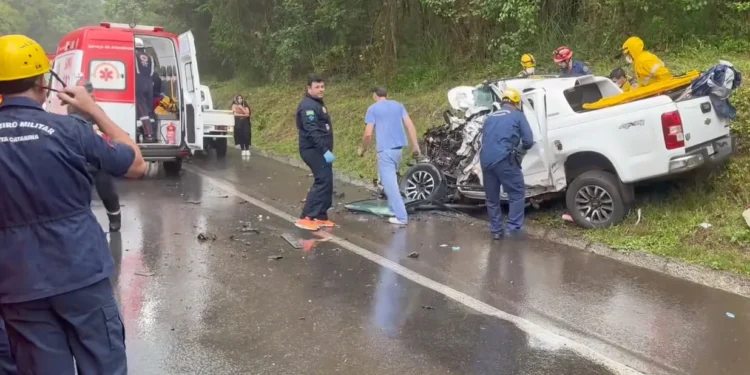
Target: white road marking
{"x": 546, "y": 338}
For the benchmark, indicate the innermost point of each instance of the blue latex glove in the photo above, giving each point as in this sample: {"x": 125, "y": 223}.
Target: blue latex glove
{"x": 329, "y": 157}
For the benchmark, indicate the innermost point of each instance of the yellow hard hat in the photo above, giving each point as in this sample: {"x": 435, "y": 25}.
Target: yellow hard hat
{"x": 528, "y": 61}
{"x": 21, "y": 57}
{"x": 511, "y": 95}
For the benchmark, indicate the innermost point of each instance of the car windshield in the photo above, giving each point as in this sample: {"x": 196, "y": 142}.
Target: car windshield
{"x": 483, "y": 97}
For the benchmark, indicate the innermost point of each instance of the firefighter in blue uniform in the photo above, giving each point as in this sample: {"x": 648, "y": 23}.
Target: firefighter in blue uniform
{"x": 563, "y": 57}
{"x": 55, "y": 295}
{"x": 316, "y": 150}
{"x": 144, "y": 86}
{"x": 506, "y": 136}
{"x": 7, "y": 364}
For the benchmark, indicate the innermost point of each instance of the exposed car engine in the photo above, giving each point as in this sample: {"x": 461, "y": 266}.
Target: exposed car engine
{"x": 453, "y": 147}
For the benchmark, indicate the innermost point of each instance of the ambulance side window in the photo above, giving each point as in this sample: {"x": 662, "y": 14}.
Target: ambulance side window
{"x": 108, "y": 75}
{"x": 189, "y": 78}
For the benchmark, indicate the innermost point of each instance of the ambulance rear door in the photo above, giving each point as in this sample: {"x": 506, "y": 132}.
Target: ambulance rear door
{"x": 192, "y": 113}
{"x": 67, "y": 66}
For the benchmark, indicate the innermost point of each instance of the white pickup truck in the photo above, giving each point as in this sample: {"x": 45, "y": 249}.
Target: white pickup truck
{"x": 594, "y": 156}
{"x": 218, "y": 125}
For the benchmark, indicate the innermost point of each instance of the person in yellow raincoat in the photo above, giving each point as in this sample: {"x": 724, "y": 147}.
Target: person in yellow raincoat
{"x": 647, "y": 67}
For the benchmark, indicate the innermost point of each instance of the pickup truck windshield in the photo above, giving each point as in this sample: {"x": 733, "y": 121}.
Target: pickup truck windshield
{"x": 483, "y": 97}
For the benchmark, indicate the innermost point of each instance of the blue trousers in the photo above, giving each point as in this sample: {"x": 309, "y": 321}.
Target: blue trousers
{"x": 388, "y": 163}
{"x": 46, "y": 335}
{"x": 510, "y": 177}
{"x": 7, "y": 364}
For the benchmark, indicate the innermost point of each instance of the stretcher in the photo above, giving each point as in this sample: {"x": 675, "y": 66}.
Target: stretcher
{"x": 645, "y": 91}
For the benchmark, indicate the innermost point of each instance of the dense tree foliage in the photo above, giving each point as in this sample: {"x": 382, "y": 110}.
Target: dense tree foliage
{"x": 281, "y": 39}
{"x": 48, "y": 20}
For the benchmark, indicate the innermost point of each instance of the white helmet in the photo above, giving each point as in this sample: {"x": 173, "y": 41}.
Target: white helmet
{"x": 139, "y": 43}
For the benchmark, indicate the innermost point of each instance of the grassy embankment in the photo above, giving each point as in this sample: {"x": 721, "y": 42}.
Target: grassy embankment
{"x": 670, "y": 217}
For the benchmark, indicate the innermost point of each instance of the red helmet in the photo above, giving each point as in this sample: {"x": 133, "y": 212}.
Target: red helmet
{"x": 562, "y": 54}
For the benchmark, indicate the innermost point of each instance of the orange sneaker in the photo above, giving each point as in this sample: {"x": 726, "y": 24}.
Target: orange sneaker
{"x": 324, "y": 223}
{"x": 307, "y": 224}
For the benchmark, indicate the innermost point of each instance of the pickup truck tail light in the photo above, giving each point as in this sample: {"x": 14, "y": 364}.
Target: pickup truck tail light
{"x": 671, "y": 124}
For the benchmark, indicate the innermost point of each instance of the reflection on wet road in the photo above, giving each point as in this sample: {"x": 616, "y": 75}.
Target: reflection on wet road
{"x": 250, "y": 303}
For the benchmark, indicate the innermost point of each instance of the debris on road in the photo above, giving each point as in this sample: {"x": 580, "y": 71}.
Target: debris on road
{"x": 292, "y": 240}
{"x": 144, "y": 273}
{"x": 414, "y": 255}
{"x": 194, "y": 201}
{"x": 730, "y": 315}
{"x": 428, "y": 307}
{"x": 444, "y": 245}
{"x": 746, "y": 216}
{"x": 456, "y": 248}
{"x": 275, "y": 257}
{"x": 247, "y": 228}
{"x": 338, "y": 195}
{"x": 705, "y": 225}
{"x": 205, "y": 237}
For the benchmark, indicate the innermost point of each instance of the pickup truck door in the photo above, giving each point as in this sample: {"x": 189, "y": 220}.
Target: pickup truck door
{"x": 541, "y": 173}
{"x": 191, "y": 93}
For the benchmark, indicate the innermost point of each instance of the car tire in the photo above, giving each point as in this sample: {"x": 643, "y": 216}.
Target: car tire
{"x": 594, "y": 200}
{"x": 221, "y": 148}
{"x": 173, "y": 168}
{"x": 423, "y": 181}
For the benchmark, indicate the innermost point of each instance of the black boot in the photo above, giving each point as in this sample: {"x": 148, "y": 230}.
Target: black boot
{"x": 114, "y": 222}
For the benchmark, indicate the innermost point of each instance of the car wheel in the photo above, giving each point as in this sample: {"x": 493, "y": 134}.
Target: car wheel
{"x": 423, "y": 182}
{"x": 594, "y": 200}
{"x": 173, "y": 168}
{"x": 221, "y": 148}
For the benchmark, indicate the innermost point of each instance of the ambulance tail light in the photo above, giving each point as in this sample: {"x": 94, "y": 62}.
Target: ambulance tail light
{"x": 158, "y": 29}
{"x": 671, "y": 124}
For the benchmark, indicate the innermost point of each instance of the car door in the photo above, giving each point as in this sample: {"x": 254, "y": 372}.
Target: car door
{"x": 541, "y": 174}
{"x": 190, "y": 79}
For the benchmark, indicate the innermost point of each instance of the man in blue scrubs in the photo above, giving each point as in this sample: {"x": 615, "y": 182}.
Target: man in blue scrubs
{"x": 387, "y": 119}
{"x": 506, "y": 136}
{"x": 55, "y": 296}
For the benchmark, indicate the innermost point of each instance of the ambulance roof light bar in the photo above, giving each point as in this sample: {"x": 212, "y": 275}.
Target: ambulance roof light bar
{"x": 112, "y": 25}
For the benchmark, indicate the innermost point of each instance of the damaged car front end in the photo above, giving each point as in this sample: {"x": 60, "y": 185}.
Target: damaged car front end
{"x": 449, "y": 171}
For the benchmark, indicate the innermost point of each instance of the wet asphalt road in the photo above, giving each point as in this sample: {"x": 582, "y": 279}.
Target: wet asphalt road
{"x": 227, "y": 306}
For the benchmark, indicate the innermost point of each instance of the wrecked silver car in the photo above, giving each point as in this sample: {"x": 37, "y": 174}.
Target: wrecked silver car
{"x": 450, "y": 171}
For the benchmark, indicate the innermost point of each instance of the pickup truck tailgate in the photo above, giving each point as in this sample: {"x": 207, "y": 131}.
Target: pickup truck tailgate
{"x": 700, "y": 121}
{"x": 214, "y": 117}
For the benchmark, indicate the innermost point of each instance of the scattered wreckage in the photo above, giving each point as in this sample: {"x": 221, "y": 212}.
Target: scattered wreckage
{"x": 591, "y": 157}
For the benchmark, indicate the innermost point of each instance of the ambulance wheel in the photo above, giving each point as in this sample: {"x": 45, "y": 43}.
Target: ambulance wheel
{"x": 173, "y": 168}
{"x": 423, "y": 182}
{"x": 594, "y": 200}
{"x": 221, "y": 148}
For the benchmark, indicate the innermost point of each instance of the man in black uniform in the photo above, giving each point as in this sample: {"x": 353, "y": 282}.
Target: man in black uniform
{"x": 144, "y": 86}
{"x": 103, "y": 182}
{"x": 316, "y": 149}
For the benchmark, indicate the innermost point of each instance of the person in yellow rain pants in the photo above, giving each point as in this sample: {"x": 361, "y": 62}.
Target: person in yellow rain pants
{"x": 647, "y": 67}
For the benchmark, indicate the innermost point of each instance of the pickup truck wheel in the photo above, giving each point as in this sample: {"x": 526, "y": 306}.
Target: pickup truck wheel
{"x": 221, "y": 148}
{"x": 594, "y": 200}
{"x": 423, "y": 182}
{"x": 173, "y": 168}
